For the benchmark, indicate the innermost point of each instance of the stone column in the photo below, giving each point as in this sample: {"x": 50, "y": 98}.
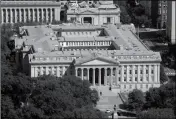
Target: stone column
{"x": 38, "y": 15}
{"x": 144, "y": 73}
{"x": 158, "y": 73}
{"x": 122, "y": 74}
{"x": 29, "y": 13}
{"x": 46, "y": 14}
{"x": 58, "y": 71}
{"x": 149, "y": 73}
{"x": 111, "y": 77}
{"x": 24, "y": 15}
{"x": 93, "y": 76}
{"x": 47, "y": 70}
{"x": 127, "y": 72}
{"x": 105, "y": 76}
{"x": 116, "y": 76}
{"x": 11, "y": 16}
{"x": 6, "y": 15}
{"x": 51, "y": 15}
{"x": 32, "y": 72}
{"x": 15, "y": 17}
{"x": 82, "y": 73}
{"x": 35, "y": 72}
{"x": 88, "y": 74}
{"x": 99, "y": 77}
{"x": 133, "y": 73}
{"x": 2, "y": 16}
{"x": 155, "y": 73}
{"x": 20, "y": 15}
{"x": 42, "y": 15}
{"x": 34, "y": 18}
{"x": 52, "y": 68}
{"x": 76, "y": 71}
{"x": 41, "y": 70}
{"x": 138, "y": 77}
{"x": 63, "y": 70}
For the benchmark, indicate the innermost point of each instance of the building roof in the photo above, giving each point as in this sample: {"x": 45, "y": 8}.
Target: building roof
{"x": 128, "y": 46}
{"x": 29, "y": 3}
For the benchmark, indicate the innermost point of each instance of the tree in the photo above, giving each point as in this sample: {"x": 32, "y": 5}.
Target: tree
{"x": 136, "y": 100}
{"x": 62, "y": 97}
{"x": 162, "y": 97}
{"x": 17, "y": 88}
{"x": 153, "y": 98}
{"x": 163, "y": 77}
{"x": 124, "y": 16}
{"x": 165, "y": 113}
{"x": 7, "y": 108}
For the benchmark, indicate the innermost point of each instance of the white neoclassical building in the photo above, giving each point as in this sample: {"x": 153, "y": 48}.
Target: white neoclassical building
{"x": 98, "y": 13}
{"x": 106, "y": 55}
{"x": 30, "y": 11}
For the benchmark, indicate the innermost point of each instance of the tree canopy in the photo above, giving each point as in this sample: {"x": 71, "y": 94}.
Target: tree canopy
{"x": 153, "y": 113}
{"x": 136, "y": 99}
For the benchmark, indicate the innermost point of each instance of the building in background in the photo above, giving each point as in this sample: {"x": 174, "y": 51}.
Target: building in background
{"x": 98, "y": 13}
{"x": 162, "y": 14}
{"x": 171, "y": 21}
{"x": 105, "y": 55}
{"x": 30, "y": 11}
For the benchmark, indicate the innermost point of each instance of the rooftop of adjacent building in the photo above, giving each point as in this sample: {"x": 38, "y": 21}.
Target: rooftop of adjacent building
{"x": 34, "y": 2}
{"x": 43, "y": 40}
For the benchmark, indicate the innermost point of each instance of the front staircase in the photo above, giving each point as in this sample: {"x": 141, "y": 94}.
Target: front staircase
{"x": 108, "y": 99}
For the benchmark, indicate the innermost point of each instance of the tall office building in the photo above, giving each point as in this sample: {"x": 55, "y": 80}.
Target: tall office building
{"x": 171, "y": 21}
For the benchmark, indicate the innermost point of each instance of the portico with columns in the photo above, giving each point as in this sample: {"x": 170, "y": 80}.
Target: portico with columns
{"x": 30, "y": 11}
{"x": 97, "y": 70}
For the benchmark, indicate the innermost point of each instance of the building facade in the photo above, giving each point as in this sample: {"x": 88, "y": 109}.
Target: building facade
{"x": 108, "y": 55}
{"x": 97, "y": 13}
{"x": 162, "y": 14}
{"x": 30, "y": 11}
{"x": 171, "y": 21}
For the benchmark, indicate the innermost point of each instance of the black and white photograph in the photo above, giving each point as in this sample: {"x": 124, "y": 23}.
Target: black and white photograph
{"x": 88, "y": 59}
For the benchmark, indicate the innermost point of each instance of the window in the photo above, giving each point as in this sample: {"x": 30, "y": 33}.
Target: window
{"x": 135, "y": 71}
{"x": 130, "y": 86}
{"x": 124, "y": 71}
{"x": 141, "y": 71}
{"x": 141, "y": 79}
{"x": 124, "y": 86}
{"x": 146, "y": 71}
{"x": 119, "y": 79}
{"x": 130, "y": 71}
{"x": 124, "y": 78}
{"x": 130, "y": 78}
{"x": 152, "y": 72}
{"x": 135, "y": 78}
{"x": 146, "y": 85}
{"x": 108, "y": 19}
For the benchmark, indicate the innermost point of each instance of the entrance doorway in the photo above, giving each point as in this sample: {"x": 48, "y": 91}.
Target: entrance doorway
{"x": 88, "y": 20}
{"x": 62, "y": 16}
